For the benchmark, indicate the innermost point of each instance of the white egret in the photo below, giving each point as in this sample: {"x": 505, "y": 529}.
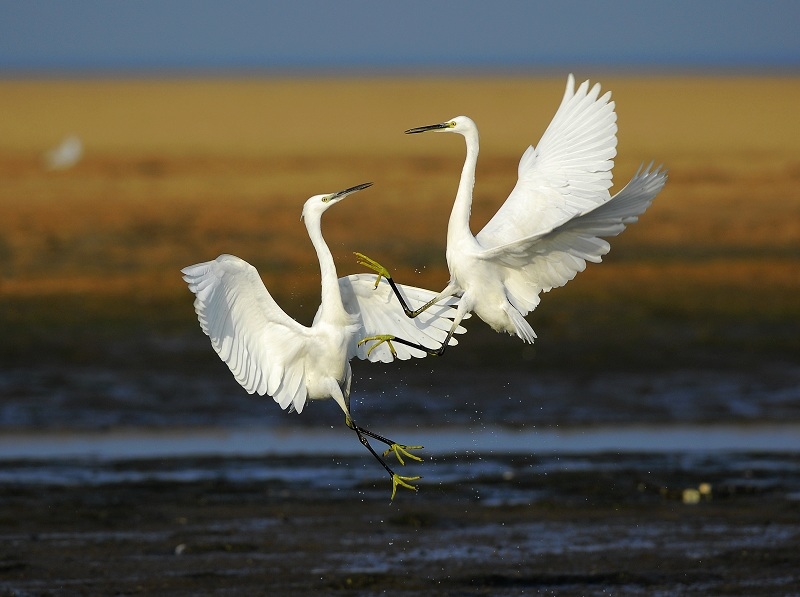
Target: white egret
{"x": 64, "y": 155}
{"x": 268, "y": 352}
{"x": 551, "y": 224}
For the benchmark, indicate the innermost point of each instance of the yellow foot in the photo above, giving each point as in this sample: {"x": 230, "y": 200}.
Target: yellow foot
{"x": 402, "y": 481}
{"x": 401, "y": 450}
{"x": 379, "y": 339}
{"x": 374, "y": 266}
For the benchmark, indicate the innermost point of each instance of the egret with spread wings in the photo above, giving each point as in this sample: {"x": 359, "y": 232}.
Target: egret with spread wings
{"x": 552, "y": 223}
{"x": 268, "y": 352}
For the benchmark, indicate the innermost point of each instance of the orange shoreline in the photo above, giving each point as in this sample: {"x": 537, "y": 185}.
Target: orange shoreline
{"x": 662, "y": 115}
{"x": 176, "y": 172}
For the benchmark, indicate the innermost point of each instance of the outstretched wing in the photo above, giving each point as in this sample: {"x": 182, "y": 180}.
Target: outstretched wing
{"x": 379, "y": 312}
{"x": 567, "y": 174}
{"x": 260, "y": 343}
{"x": 552, "y": 259}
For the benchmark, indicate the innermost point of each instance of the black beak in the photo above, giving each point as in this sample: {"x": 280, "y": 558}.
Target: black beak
{"x": 358, "y": 187}
{"x": 430, "y": 127}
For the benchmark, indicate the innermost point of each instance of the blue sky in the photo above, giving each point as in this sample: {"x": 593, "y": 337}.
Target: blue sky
{"x": 146, "y": 35}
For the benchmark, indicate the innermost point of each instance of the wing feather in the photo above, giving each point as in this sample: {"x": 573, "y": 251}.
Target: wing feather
{"x": 568, "y": 173}
{"x": 550, "y": 260}
{"x": 379, "y": 312}
{"x": 258, "y": 341}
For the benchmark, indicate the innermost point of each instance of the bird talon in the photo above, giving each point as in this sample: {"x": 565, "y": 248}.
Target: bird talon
{"x": 402, "y": 481}
{"x": 400, "y": 450}
{"x": 374, "y": 266}
{"x": 379, "y": 339}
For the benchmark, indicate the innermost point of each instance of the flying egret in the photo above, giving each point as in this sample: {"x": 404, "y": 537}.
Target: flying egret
{"x": 268, "y": 352}
{"x": 551, "y": 224}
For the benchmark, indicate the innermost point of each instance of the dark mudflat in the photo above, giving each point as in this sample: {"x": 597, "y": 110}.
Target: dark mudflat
{"x": 495, "y": 525}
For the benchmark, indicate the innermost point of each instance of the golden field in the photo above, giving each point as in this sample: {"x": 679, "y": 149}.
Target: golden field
{"x": 179, "y": 171}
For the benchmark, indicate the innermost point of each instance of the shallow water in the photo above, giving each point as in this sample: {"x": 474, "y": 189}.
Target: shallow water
{"x": 72, "y": 425}
{"x": 407, "y": 395}
{"x": 444, "y": 441}
{"x": 336, "y": 460}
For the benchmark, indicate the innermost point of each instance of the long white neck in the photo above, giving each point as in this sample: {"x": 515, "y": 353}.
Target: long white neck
{"x": 458, "y": 226}
{"x": 331, "y": 304}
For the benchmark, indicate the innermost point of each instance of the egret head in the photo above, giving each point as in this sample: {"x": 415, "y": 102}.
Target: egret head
{"x": 317, "y": 204}
{"x": 459, "y": 124}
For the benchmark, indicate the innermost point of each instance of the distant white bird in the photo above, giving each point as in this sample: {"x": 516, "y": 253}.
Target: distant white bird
{"x": 268, "y": 352}
{"x": 552, "y": 222}
{"x": 65, "y": 155}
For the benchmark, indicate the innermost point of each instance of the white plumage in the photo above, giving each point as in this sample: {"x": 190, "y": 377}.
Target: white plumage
{"x": 64, "y": 155}
{"x": 268, "y": 352}
{"x": 566, "y": 174}
{"x": 552, "y": 223}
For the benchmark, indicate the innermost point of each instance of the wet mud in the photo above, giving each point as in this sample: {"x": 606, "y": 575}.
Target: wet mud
{"x": 711, "y": 524}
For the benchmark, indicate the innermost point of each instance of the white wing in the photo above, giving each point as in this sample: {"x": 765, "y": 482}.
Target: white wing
{"x": 552, "y": 259}
{"x": 379, "y": 312}
{"x": 259, "y": 342}
{"x": 568, "y": 173}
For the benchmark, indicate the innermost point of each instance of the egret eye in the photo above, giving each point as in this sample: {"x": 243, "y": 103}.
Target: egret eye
{"x": 326, "y": 198}
{"x": 452, "y": 124}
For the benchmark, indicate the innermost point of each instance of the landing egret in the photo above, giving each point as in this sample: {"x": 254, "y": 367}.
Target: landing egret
{"x": 268, "y": 352}
{"x": 552, "y": 222}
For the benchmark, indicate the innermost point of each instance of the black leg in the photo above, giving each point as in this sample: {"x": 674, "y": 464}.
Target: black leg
{"x": 383, "y": 272}
{"x": 436, "y": 353}
{"x": 366, "y": 444}
{"x": 406, "y": 309}
{"x": 393, "y": 446}
{"x": 388, "y": 338}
